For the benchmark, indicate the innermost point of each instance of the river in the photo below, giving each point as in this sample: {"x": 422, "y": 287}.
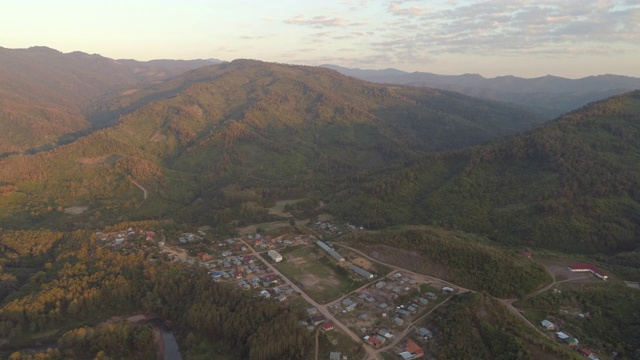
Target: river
{"x": 171, "y": 350}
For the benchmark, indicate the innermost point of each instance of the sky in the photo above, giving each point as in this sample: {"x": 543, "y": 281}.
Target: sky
{"x": 569, "y": 38}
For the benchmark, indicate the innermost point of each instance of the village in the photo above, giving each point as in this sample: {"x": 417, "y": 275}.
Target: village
{"x": 384, "y": 309}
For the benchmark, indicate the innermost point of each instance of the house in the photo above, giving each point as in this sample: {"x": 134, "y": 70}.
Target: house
{"x": 335, "y": 355}
{"x": 423, "y": 301}
{"x": 547, "y": 325}
{"x": 560, "y": 335}
{"x": 589, "y": 268}
{"x": 372, "y": 340}
{"x": 347, "y": 302}
{"x": 327, "y": 326}
{"x": 363, "y": 316}
{"x": 413, "y": 348}
{"x": 385, "y": 333}
{"x": 381, "y": 338}
{"x": 318, "y": 319}
{"x": 404, "y": 313}
{"x": 447, "y": 289}
{"x": 380, "y": 284}
{"x": 312, "y": 311}
{"x": 383, "y": 306}
{"x": 281, "y": 297}
{"x": 362, "y": 272}
{"x": 398, "y": 321}
{"x": 264, "y": 294}
{"x": 426, "y": 333}
{"x": 586, "y": 352}
{"x": 431, "y": 295}
{"x": 412, "y": 309}
{"x": 275, "y": 256}
{"x": 571, "y": 341}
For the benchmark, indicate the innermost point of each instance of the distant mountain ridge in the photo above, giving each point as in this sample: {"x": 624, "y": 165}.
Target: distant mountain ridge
{"x": 46, "y": 94}
{"x": 548, "y": 95}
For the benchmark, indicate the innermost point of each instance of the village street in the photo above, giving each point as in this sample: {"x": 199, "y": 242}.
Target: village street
{"x": 323, "y": 309}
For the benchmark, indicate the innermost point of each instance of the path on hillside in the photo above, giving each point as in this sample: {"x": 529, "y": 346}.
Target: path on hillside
{"x": 144, "y": 191}
{"x": 323, "y": 309}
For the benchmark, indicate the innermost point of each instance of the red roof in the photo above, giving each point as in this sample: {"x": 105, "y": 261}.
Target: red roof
{"x": 373, "y": 341}
{"x": 587, "y": 267}
{"x": 328, "y": 325}
{"x": 585, "y": 352}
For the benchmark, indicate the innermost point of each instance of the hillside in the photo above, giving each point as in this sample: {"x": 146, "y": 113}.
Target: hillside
{"x": 278, "y": 130}
{"x": 46, "y": 94}
{"x": 569, "y": 185}
{"x": 549, "y": 95}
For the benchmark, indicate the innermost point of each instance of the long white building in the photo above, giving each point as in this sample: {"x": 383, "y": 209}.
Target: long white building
{"x": 330, "y": 251}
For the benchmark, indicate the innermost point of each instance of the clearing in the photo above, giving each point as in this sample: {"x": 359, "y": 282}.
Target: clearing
{"x": 316, "y": 277}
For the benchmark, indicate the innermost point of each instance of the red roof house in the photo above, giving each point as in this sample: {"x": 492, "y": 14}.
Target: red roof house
{"x": 585, "y": 352}
{"x": 589, "y": 268}
{"x": 327, "y": 326}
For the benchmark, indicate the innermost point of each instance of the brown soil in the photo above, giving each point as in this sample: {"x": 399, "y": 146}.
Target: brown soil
{"x": 363, "y": 263}
{"x": 309, "y": 280}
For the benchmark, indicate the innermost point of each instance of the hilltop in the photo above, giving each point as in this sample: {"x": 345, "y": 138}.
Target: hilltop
{"x": 46, "y": 95}
{"x": 568, "y": 185}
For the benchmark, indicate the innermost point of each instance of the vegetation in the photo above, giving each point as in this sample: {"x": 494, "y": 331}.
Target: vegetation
{"x": 568, "y": 185}
{"x": 475, "y": 325}
{"x": 272, "y": 130}
{"x": 87, "y": 284}
{"x": 462, "y": 258}
{"x": 612, "y": 322}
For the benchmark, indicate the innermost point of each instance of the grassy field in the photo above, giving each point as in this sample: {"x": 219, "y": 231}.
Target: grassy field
{"x": 316, "y": 277}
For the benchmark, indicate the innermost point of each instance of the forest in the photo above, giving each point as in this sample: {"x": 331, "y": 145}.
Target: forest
{"x": 86, "y": 284}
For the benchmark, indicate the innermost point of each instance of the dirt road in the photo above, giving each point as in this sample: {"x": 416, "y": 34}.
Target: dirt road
{"x": 323, "y": 309}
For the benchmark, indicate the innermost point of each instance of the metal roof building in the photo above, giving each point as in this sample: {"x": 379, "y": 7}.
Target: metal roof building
{"x": 330, "y": 251}
{"x": 362, "y": 272}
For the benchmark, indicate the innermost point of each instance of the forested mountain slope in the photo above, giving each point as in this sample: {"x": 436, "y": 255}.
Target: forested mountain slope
{"x": 571, "y": 184}
{"x": 278, "y": 128}
{"x": 46, "y": 94}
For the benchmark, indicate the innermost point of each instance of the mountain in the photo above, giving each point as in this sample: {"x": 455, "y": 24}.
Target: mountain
{"x": 548, "y": 95}
{"x": 568, "y": 185}
{"x": 273, "y": 128}
{"x": 46, "y": 94}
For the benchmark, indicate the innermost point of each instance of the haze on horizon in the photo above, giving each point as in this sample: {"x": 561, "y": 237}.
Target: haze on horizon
{"x": 573, "y": 39}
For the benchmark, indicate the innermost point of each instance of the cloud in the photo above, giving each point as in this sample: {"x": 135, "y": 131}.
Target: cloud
{"x": 515, "y": 26}
{"x": 319, "y": 21}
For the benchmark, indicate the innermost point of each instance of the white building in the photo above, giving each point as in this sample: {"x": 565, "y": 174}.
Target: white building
{"x": 275, "y": 255}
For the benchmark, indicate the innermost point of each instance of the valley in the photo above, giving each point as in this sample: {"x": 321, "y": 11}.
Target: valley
{"x": 271, "y": 211}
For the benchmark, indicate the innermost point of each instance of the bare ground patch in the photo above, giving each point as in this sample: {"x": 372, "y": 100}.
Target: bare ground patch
{"x": 278, "y": 208}
{"x": 309, "y": 280}
{"x": 76, "y": 210}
